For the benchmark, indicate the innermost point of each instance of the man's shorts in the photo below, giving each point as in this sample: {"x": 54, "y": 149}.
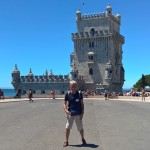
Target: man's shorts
{"x": 70, "y": 120}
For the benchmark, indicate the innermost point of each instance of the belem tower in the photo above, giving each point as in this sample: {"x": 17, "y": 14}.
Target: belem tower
{"x": 96, "y": 60}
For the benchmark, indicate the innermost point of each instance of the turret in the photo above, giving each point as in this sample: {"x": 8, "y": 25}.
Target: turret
{"x": 74, "y": 73}
{"x": 108, "y": 10}
{"x": 30, "y": 73}
{"x": 118, "y": 17}
{"x": 51, "y": 73}
{"x": 46, "y": 73}
{"x": 16, "y": 78}
{"x": 78, "y": 15}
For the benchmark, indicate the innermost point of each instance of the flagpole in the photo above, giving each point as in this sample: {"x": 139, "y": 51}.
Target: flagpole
{"x": 83, "y": 6}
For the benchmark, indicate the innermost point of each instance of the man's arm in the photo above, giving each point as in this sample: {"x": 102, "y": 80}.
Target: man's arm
{"x": 66, "y": 108}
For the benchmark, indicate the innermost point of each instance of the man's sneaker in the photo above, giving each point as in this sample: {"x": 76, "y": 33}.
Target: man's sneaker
{"x": 83, "y": 142}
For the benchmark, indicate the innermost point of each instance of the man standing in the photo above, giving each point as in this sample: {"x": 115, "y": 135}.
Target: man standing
{"x": 74, "y": 108}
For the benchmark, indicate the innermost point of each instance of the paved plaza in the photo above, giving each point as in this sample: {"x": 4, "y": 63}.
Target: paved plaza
{"x": 108, "y": 125}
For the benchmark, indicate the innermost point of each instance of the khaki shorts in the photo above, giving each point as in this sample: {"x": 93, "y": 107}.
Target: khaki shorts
{"x": 78, "y": 121}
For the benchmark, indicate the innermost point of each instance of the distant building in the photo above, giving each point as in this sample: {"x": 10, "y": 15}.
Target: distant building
{"x": 96, "y": 61}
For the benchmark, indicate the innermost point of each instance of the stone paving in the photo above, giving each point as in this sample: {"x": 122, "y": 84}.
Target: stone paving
{"x": 109, "y": 125}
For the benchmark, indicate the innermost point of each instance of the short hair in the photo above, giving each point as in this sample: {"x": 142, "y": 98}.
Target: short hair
{"x": 73, "y": 82}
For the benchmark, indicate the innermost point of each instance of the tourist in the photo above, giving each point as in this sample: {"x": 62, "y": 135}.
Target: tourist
{"x": 143, "y": 94}
{"x": 30, "y": 95}
{"x": 106, "y": 95}
{"x": 74, "y": 108}
{"x": 1, "y": 94}
{"x": 52, "y": 94}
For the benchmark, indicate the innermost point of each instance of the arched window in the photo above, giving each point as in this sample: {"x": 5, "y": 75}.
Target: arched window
{"x": 91, "y": 57}
{"x": 91, "y": 71}
{"x": 91, "y": 44}
{"x": 92, "y": 31}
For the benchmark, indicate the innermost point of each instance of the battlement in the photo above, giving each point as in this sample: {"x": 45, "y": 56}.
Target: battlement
{"x": 99, "y": 16}
{"x": 107, "y": 14}
{"x": 100, "y": 33}
{"x": 89, "y": 35}
{"x": 93, "y": 16}
{"x": 54, "y": 78}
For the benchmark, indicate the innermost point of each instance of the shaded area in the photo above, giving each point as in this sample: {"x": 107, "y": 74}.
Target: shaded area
{"x": 86, "y": 145}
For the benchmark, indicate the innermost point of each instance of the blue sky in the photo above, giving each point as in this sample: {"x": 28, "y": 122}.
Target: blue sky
{"x": 37, "y": 34}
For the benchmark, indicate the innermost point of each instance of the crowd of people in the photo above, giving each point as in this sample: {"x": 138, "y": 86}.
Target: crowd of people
{"x": 109, "y": 94}
{"x": 87, "y": 93}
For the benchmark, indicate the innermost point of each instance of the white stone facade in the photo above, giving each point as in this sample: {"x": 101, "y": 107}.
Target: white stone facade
{"x": 97, "y": 56}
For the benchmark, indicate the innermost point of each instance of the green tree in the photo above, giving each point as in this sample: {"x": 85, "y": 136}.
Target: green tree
{"x": 144, "y": 81}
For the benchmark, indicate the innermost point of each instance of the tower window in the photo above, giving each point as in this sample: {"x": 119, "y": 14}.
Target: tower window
{"x": 91, "y": 71}
{"x": 91, "y": 57}
{"x": 91, "y": 44}
{"x": 92, "y": 31}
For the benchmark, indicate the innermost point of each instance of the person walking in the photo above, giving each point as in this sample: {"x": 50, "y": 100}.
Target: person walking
{"x": 30, "y": 95}
{"x": 52, "y": 93}
{"x": 1, "y": 94}
{"x": 106, "y": 95}
{"x": 74, "y": 108}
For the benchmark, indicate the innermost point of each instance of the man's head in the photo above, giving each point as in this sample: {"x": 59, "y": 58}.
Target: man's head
{"x": 73, "y": 86}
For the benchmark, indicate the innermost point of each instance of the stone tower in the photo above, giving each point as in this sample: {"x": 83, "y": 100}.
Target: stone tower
{"x": 97, "y": 56}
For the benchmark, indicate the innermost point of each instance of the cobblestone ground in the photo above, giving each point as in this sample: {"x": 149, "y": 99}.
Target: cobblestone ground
{"x": 108, "y": 125}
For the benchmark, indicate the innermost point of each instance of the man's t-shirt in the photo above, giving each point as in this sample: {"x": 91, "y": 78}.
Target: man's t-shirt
{"x": 74, "y": 103}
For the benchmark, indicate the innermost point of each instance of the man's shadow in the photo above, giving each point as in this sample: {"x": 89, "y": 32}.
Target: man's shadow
{"x": 86, "y": 145}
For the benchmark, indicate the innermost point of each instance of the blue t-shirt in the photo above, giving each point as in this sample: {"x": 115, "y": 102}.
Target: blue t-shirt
{"x": 74, "y": 103}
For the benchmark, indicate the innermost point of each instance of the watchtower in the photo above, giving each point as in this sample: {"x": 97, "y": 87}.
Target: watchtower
{"x": 98, "y": 50}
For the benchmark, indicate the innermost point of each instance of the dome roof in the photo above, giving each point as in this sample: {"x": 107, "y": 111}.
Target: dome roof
{"x": 108, "y": 7}
{"x": 78, "y": 11}
{"x": 118, "y": 15}
{"x": 90, "y": 53}
{"x": 16, "y": 69}
{"x": 51, "y": 72}
{"x": 30, "y": 73}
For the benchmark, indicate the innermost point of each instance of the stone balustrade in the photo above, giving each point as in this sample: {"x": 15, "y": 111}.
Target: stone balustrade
{"x": 55, "y": 78}
{"x": 100, "y": 33}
